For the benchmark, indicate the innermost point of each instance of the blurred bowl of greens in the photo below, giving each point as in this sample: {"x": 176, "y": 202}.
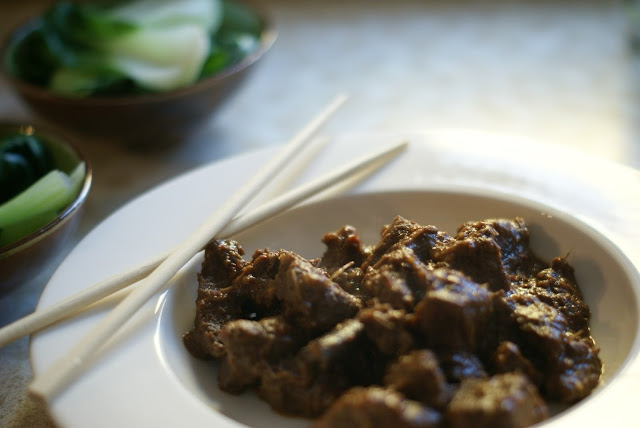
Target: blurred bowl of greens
{"x": 44, "y": 182}
{"x": 142, "y": 72}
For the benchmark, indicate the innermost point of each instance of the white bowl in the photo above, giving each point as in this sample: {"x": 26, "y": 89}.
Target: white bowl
{"x": 607, "y": 278}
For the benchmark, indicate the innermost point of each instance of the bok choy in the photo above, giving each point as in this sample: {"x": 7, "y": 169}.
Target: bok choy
{"x": 34, "y": 192}
{"x": 134, "y": 47}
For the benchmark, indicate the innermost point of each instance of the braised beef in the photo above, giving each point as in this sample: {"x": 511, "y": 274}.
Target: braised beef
{"x": 394, "y": 233}
{"x": 307, "y": 383}
{"x": 512, "y": 236}
{"x": 508, "y": 358}
{"x": 242, "y": 290}
{"x": 253, "y": 345}
{"x": 423, "y": 241}
{"x": 223, "y": 260}
{"x": 495, "y": 252}
{"x": 569, "y": 361}
{"x": 389, "y": 329}
{"x": 507, "y": 400}
{"x": 343, "y": 247}
{"x": 557, "y": 286}
{"x": 575, "y": 373}
{"x": 479, "y": 257}
{"x": 422, "y": 329}
{"x": 418, "y": 376}
{"x": 377, "y": 407}
{"x": 398, "y": 278}
{"x": 309, "y": 297}
{"x": 290, "y": 389}
{"x": 461, "y": 365}
{"x": 464, "y": 306}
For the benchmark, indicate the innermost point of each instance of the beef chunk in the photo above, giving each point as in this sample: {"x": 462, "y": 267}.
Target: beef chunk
{"x": 477, "y": 257}
{"x": 421, "y": 240}
{"x": 399, "y": 278}
{"x": 387, "y": 328}
{"x": 570, "y": 362}
{"x": 494, "y": 251}
{"x": 576, "y": 373}
{"x": 322, "y": 370}
{"x": 222, "y": 262}
{"x": 460, "y": 304}
{"x": 343, "y": 257}
{"x": 388, "y": 286}
{"x": 288, "y": 390}
{"x": 424, "y": 241}
{"x": 512, "y": 236}
{"x": 343, "y": 246}
{"x": 557, "y": 287}
{"x": 539, "y": 328}
{"x": 256, "y": 286}
{"x": 502, "y": 401}
{"x": 251, "y": 346}
{"x": 418, "y": 376}
{"x": 399, "y": 229}
{"x": 248, "y": 293}
{"x": 214, "y": 309}
{"x": 349, "y": 278}
{"x": 508, "y": 358}
{"x": 309, "y": 298}
{"x": 375, "y": 407}
{"x": 346, "y": 351}
{"x": 458, "y": 366}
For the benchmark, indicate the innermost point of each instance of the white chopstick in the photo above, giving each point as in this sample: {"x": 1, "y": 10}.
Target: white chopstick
{"x": 65, "y": 369}
{"x": 72, "y": 304}
{"x": 68, "y": 306}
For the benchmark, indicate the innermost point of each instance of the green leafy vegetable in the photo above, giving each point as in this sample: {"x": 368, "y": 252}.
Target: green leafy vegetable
{"x": 135, "y": 47}
{"x": 39, "y": 203}
{"x": 236, "y": 38}
{"x": 23, "y": 160}
{"x": 32, "y": 190}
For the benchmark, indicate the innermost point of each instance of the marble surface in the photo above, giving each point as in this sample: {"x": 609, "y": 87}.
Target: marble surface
{"x": 558, "y": 71}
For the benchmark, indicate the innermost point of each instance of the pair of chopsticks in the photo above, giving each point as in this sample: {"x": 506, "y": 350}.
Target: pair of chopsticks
{"x": 152, "y": 276}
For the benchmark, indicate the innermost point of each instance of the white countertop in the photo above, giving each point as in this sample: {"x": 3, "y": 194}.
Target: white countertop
{"x": 560, "y": 72}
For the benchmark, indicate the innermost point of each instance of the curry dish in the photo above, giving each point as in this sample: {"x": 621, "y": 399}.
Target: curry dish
{"x": 422, "y": 329}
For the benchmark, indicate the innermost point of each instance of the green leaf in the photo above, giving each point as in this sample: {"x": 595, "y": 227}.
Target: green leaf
{"x": 86, "y": 25}
{"x": 217, "y": 60}
{"x": 140, "y": 46}
{"x": 85, "y": 81}
{"x": 30, "y": 57}
{"x": 23, "y": 160}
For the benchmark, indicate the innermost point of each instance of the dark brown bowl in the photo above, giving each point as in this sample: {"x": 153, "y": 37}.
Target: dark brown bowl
{"x": 141, "y": 121}
{"x": 38, "y": 252}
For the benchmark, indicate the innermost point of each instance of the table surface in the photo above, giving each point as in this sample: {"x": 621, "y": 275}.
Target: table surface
{"x": 561, "y": 72}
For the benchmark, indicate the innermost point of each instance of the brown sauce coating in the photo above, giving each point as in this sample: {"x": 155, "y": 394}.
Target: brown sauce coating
{"x": 422, "y": 329}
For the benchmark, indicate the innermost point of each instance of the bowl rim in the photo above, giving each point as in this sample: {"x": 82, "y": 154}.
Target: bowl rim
{"x": 267, "y": 38}
{"x": 57, "y": 138}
